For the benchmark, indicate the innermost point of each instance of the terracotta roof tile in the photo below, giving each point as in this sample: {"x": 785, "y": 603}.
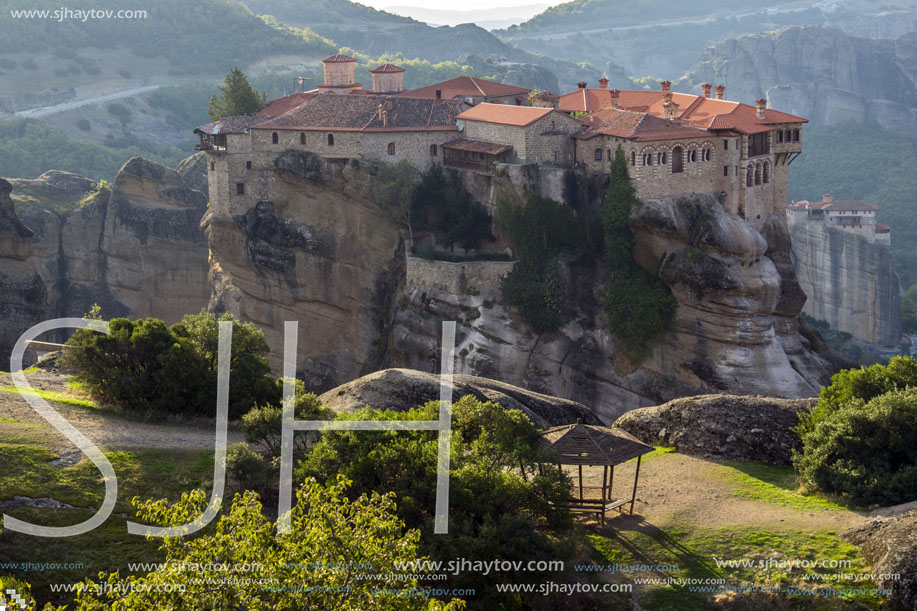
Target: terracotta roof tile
{"x": 387, "y": 68}
{"x": 338, "y": 57}
{"x": 477, "y": 146}
{"x": 361, "y": 113}
{"x": 505, "y": 114}
{"x": 637, "y": 126}
{"x": 278, "y": 106}
{"x": 465, "y": 86}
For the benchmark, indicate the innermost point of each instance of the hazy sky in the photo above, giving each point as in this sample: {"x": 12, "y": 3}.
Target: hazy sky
{"x": 465, "y": 5}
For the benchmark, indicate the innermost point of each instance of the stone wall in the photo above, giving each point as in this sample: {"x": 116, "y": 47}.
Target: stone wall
{"x": 849, "y": 280}
{"x": 470, "y": 277}
{"x": 547, "y": 139}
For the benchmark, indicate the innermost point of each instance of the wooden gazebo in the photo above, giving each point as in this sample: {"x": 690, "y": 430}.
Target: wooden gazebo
{"x": 585, "y": 445}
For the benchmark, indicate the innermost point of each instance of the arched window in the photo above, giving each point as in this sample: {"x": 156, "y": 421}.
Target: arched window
{"x": 302, "y": 137}
{"x": 633, "y": 158}
{"x": 692, "y": 156}
{"x": 275, "y": 138}
{"x": 647, "y": 159}
{"x": 767, "y": 171}
{"x": 706, "y": 154}
{"x": 749, "y": 176}
{"x": 330, "y": 139}
{"x": 609, "y": 155}
{"x": 432, "y": 150}
{"x": 391, "y": 148}
{"x": 598, "y": 154}
{"x": 758, "y": 174}
{"x": 677, "y": 160}
{"x": 663, "y": 158}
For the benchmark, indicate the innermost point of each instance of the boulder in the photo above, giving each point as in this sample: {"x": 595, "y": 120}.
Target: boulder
{"x": 722, "y": 426}
{"x": 890, "y": 546}
{"x": 403, "y": 389}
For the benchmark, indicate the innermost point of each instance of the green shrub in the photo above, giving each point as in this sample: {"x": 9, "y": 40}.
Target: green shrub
{"x": 263, "y": 424}
{"x": 249, "y": 470}
{"x": 861, "y": 384}
{"x": 442, "y": 204}
{"x": 84, "y": 125}
{"x": 149, "y": 369}
{"x": 864, "y": 451}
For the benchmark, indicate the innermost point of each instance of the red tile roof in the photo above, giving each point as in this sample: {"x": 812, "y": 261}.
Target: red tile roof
{"x": 339, "y": 57}
{"x": 882, "y": 228}
{"x": 505, "y": 114}
{"x": 637, "y": 126}
{"x": 465, "y": 87}
{"x": 231, "y": 125}
{"x": 387, "y": 68}
{"x": 278, "y": 106}
{"x": 708, "y": 113}
{"x": 361, "y": 113}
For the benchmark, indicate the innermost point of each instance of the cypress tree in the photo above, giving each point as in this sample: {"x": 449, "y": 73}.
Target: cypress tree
{"x": 237, "y": 97}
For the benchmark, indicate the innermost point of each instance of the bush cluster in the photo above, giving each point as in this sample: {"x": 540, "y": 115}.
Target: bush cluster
{"x": 860, "y": 441}
{"x": 149, "y": 369}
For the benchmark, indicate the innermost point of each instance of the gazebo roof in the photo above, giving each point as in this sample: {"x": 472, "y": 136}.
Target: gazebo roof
{"x": 585, "y": 444}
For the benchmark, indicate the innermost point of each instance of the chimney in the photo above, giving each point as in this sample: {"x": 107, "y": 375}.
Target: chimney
{"x": 384, "y": 118}
{"x": 439, "y": 96}
{"x": 603, "y": 83}
{"x": 760, "y": 106}
{"x": 706, "y": 87}
{"x": 581, "y": 84}
{"x": 669, "y": 107}
{"x": 389, "y": 104}
{"x": 666, "y": 85}
{"x": 720, "y": 92}
{"x": 827, "y": 198}
{"x": 614, "y": 96}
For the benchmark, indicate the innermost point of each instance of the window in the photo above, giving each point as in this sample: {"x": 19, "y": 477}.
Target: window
{"x": 633, "y": 158}
{"x": 598, "y": 154}
{"x": 212, "y": 166}
{"x": 391, "y": 148}
{"x": 330, "y": 139}
{"x": 248, "y": 165}
{"x": 766, "y": 173}
{"x": 647, "y": 159}
{"x": 779, "y": 135}
{"x": 662, "y": 159}
{"x": 275, "y": 138}
{"x": 725, "y": 170}
{"x": 677, "y": 166}
{"x": 302, "y": 138}
{"x": 795, "y": 135}
{"x": 725, "y": 145}
{"x": 432, "y": 150}
{"x": 706, "y": 154}
{"x": 608, "y": 157}
{"x": 749, "y": 176}
{"x": 787, "y": 135}
{"x": 240, "y": 188}
{"x": 692, "y": 156}
{"x": 758, "y": 174}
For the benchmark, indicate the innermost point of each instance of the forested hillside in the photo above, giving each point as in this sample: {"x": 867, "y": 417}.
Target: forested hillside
{"x": 865, "y": 162}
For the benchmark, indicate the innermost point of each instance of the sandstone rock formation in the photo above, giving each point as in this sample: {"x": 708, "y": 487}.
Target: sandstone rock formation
{"x": 403, "y": 389}
{"x": 850, "y": 281}
{"x": 721, "y": 426}
{"x": 818, "y": 73}
{"x": 135, "y": 250}
{"x": 890, "y": 547}
{"x": 320, "y": 252}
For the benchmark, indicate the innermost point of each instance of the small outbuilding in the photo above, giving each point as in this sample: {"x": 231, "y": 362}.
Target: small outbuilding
{"x": 591, "y": 446}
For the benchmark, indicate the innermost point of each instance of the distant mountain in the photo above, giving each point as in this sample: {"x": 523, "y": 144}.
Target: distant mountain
{"x": 314, "y": 14}
{"x": 817, "y": 72}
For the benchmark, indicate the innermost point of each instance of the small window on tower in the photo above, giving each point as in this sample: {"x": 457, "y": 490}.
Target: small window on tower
{"x": 725, "y": 145}
{"x": 248, "y": 165}
{"x": 725, "y": 170}
{"x": 240, "y": 188}
{"x": 275, "y": 138}
{"x": 302, "y": 138}
{"x": 391, "y": 148}
{"x": 432, "y": 150}
{"x": 212, "y": 166}
{"x": 330, "y": 139}
{"x": 598, "y": 154}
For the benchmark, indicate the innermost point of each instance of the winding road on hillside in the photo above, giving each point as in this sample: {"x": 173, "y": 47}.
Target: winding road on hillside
{"x": 34, "y": 113}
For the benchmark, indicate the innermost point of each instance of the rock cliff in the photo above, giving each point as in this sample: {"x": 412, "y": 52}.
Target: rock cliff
{"x": 850, "y": 281}
{"x": 816, "y": 72}
{"x": 136, "y": 249}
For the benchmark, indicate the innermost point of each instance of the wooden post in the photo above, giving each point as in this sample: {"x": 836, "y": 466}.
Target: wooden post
{"x": 611, "y": 482}
{"x": 580, "y": 482}
{"x": 604, "y": 483}
{"x": 634, "y": 495}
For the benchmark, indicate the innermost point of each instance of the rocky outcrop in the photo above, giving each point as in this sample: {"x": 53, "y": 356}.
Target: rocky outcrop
{"x": 850, "y": 281}
{"x": 317, "y": 250}
{"x": 818, "y": 73}
{"x": 135, "y": 250}
{"x": 890, "y": 547}
{"x": 722, "y": 426}
{"x": 403, "y": 389}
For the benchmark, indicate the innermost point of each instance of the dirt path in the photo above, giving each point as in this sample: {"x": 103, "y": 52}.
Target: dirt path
{"x": 677, "y": 488}
{"x": 19, "y": 423}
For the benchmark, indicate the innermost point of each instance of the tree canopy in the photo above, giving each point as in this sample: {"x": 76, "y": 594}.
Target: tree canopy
{"x": 237, "y": 97}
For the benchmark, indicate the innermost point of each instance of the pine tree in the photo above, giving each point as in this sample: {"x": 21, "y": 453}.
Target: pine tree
{"x": 237, "y": 97}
